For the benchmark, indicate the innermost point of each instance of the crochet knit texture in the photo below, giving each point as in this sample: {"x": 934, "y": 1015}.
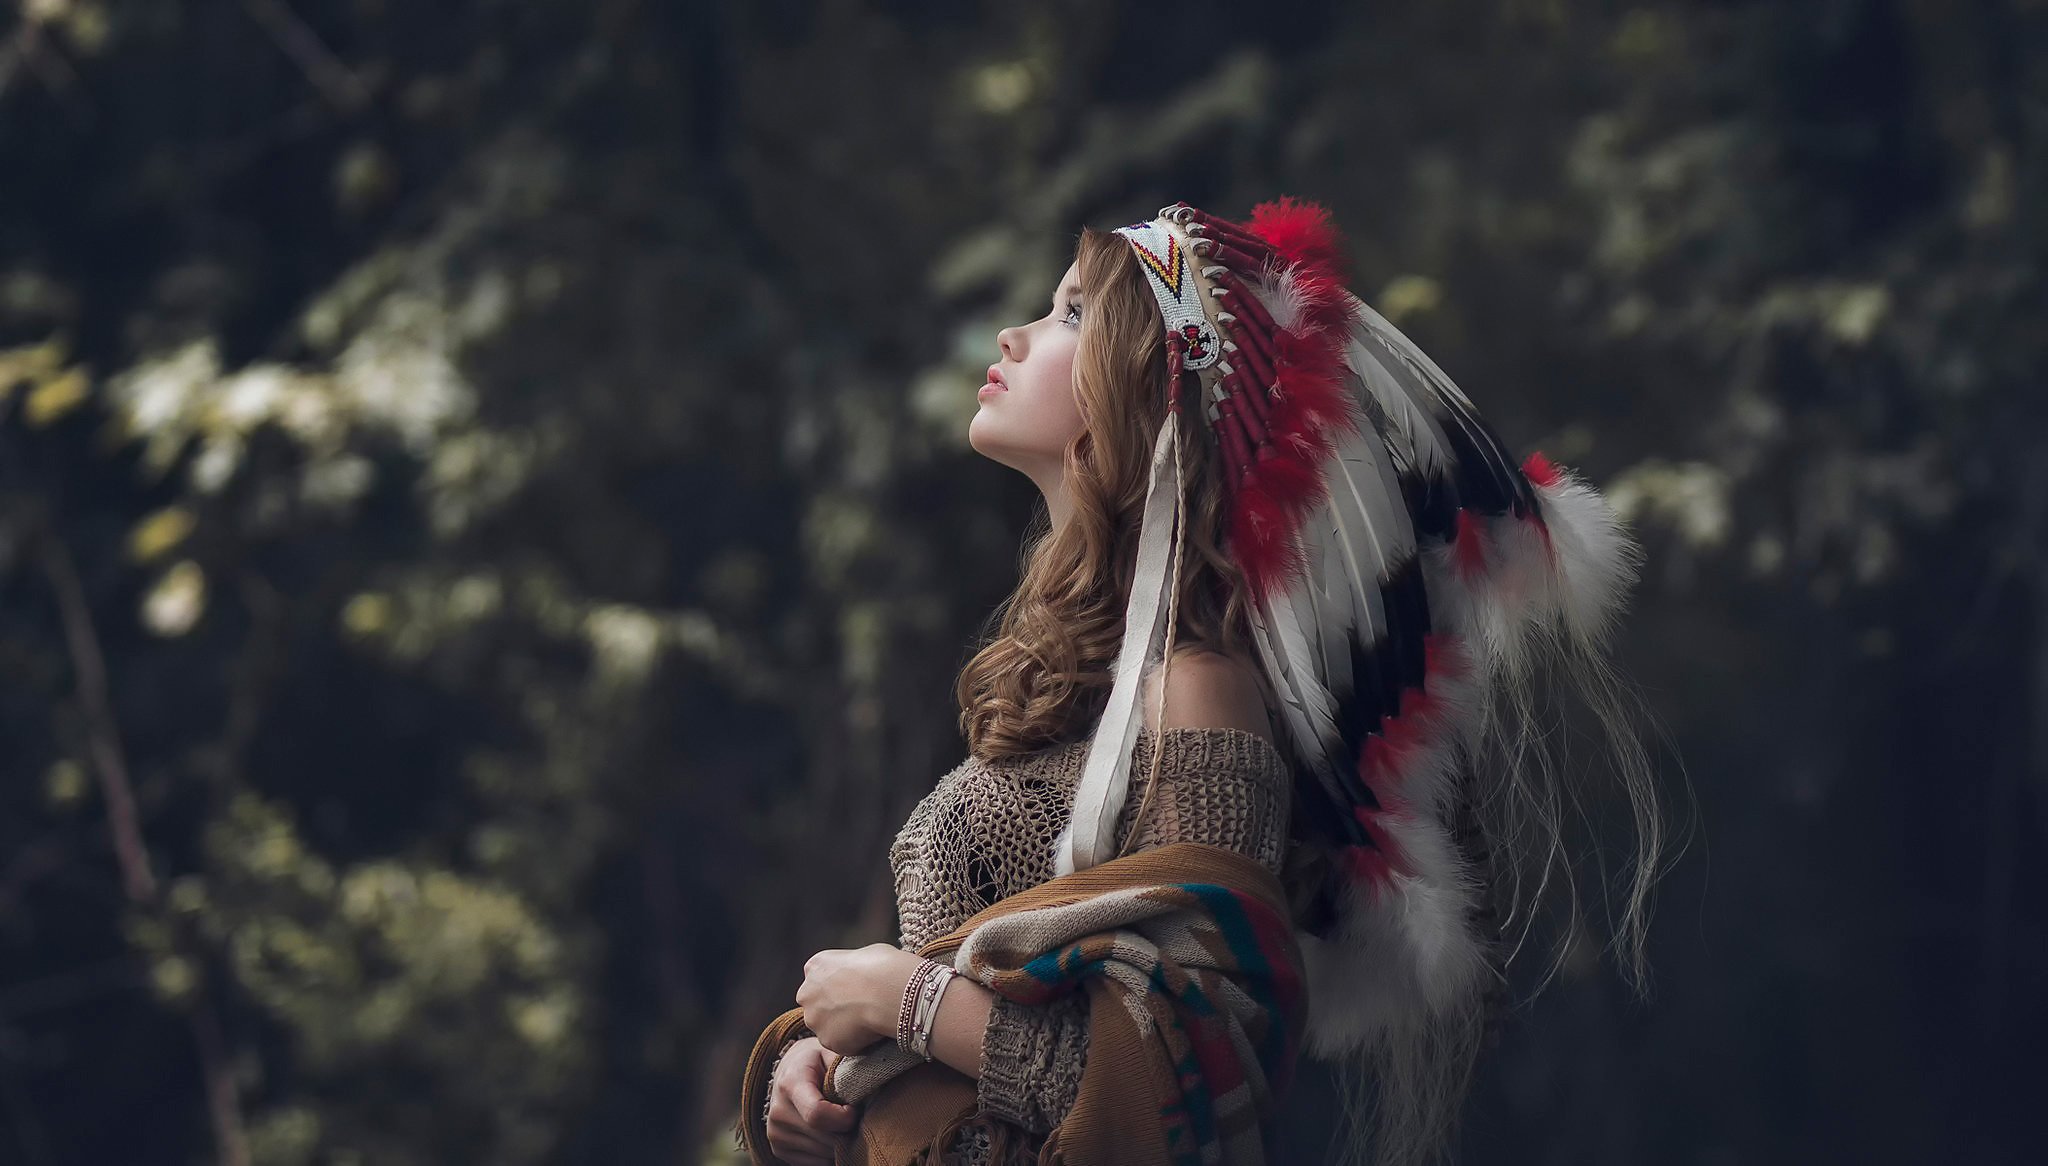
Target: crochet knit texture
{"x": 986, "y": 832}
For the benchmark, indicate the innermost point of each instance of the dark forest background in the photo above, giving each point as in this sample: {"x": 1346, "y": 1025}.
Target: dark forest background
{"x": 487, "y": 532}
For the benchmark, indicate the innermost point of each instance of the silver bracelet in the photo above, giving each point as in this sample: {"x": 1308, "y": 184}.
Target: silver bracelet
{"x": 929, "y": 1015}
{"x": 921, "y": 1023}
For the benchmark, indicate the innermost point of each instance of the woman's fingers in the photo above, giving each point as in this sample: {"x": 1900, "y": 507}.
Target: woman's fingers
{"x": 816, "y": 1112}
{"x": 801, "y": 1122}
{"x": 792, "y": 1138}
{"x": 796, "y": 1145}
{"x": 824, "y": 1116}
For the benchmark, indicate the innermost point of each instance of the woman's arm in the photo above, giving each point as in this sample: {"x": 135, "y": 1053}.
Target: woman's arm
{"x": 1032, "y": 1056}
{"x": 1026, "y": 1057}
{"x": 963, "y": 1017}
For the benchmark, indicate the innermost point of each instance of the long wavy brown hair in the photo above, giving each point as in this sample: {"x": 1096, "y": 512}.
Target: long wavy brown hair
{"x": 1044, "y": 673}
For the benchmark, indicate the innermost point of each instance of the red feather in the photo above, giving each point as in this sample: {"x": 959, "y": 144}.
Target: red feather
{"x": 1278, "y": 493}
{"x": 1392, "y": 856}
{"x": 1544, "y": 475}
{"x": 1301, "y": 232}
{"x": 1326, "y": 309}
{"x": 1309, "y": 408}
{"x": 1541, "y": 471}
{"x": 1468, "y": 549}
{"x": 1368, "y": 867}
{"x": 1420, "y": 722}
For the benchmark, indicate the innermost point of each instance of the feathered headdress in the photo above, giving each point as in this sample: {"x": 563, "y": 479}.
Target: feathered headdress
{"x": 1402, "y": 565}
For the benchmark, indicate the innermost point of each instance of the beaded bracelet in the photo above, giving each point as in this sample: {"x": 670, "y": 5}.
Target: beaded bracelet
{"x": 913, "y": 995}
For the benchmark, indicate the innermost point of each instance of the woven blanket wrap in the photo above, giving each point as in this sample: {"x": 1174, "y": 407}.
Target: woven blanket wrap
{"x": 1196, "y": 1007}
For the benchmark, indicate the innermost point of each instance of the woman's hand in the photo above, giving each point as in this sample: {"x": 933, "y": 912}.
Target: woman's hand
{"x": 850, "y": 996}
{"x": 801, "y": 1123}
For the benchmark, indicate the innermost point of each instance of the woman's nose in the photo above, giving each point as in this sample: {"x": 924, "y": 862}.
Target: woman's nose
{"x": 1011, "y": 341}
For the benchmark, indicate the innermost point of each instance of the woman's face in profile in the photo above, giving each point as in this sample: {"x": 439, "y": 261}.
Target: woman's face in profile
{"x": 1028, "y": 413}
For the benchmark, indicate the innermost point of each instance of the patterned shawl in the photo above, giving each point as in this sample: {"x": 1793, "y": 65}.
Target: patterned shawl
{"x": 1196, "y": 1007}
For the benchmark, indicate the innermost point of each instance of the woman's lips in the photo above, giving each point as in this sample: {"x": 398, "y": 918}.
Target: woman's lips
{"x": 995, "y": 382}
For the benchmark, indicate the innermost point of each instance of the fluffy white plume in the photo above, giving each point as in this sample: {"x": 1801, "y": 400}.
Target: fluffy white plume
{"x": 1597, "y": 561}
{"x": 1398, "y": 959}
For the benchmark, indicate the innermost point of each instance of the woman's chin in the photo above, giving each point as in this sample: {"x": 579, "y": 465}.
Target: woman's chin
{"x": 980, "y": 434}
{"x": 982, "y": 440}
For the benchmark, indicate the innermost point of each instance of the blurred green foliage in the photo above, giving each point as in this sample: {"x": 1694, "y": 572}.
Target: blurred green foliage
{"x": 487, "y": 534}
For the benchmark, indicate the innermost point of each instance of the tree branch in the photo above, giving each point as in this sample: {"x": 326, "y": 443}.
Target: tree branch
{"x": 342, "y": 88}
{"x": 103, "y": 738}
{"x": 110, "y": 762}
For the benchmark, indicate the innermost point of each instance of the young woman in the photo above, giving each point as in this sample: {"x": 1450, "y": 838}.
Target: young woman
{"x": 1255, "y": 728}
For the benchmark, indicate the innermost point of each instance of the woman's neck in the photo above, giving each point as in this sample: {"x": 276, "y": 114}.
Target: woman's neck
{"x": 1057, "y": 508}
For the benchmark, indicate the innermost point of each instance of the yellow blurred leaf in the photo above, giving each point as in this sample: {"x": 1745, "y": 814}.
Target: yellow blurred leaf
{"x": 88, "y": 27}
{"x": 188, "y": 895}
{"x": 1645, "y": 37}
{"x": 1854, "y": 314}
{"x": 367, "y": 614}
{"x": 45, "y": 11}
{"x": 173, "y": 978}
{"x": 160, "y": 532}
{"x": 177, "y": 601}
{"x": 542, "y": 1021}
{"x": 1410, "y": 295}
{"x": 56, "y": 397}
{"x": 1003, "y": 87}
{"x": 36, "y": 362}
{"x": 65, "y": 784}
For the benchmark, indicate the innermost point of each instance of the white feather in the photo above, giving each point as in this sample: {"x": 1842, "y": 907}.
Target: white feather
{"x": 1320, "y": 706}
{"x": 1368, "y": 476}
{"x": 1368, "y": 537}
{"x": 1403, "y": 397}
{"x": 1281, "y": 294}
{"x": 1293, "y": 707}
{"x": 1408, "y": 352}
{"x": 1597, "y": 560}
{"x": 1341, "y": 610}
{"x": 1439, "y": 398}
{"x": 1398, "y": 958}
{"x": 1502, "y": 634}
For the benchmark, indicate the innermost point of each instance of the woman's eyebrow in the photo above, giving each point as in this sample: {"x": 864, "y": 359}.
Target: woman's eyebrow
{"x": 1069, "y": 292}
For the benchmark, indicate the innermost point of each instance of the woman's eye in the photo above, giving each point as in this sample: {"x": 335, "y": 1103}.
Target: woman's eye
{"x": 1073, "y": 315}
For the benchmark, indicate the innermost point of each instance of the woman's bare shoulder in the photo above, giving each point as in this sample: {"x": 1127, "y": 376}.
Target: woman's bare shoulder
{"x": 1207, "y": 689}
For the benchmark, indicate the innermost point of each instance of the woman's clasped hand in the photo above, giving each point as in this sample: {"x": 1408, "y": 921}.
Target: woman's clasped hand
{"x": 851, "y": 996}
{"x": 802, "y": 1124}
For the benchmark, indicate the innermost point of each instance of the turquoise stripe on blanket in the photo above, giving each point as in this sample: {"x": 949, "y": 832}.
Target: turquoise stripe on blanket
{"x": 1248, "y": 946}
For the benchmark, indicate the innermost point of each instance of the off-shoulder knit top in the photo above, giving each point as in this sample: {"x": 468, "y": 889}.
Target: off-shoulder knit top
{"x": 986, "y": 831}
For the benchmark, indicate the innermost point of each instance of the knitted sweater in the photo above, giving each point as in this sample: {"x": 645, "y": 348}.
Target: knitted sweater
{"x": 986, "y": 832}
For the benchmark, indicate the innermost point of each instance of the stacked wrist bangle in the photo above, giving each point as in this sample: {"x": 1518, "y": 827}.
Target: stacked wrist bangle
{"x": 920, "y": 1010}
